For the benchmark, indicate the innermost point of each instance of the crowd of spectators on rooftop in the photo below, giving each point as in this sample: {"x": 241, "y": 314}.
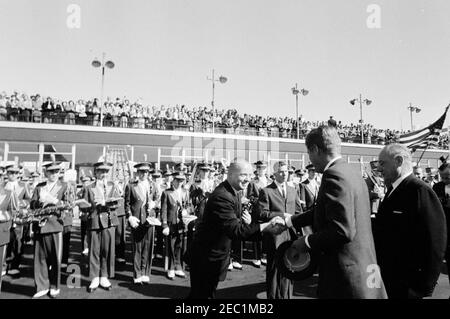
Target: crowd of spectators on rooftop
{"x": 127, "y": 114}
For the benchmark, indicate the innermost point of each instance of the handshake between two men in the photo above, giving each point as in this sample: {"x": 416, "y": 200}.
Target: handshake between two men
{"x": 276, "y": 226}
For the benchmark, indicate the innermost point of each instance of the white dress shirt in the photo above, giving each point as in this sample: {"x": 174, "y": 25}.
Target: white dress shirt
{"x": 280, "y": 187}
{"x": 398, "y": 181}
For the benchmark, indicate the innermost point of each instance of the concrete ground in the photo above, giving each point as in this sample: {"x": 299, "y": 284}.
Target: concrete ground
{"x": 239, "y": 284}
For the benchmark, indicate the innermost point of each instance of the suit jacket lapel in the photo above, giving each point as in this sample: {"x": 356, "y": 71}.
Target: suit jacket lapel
{"x": 235, "y": 196}
{"x": 274, "y": 186}
{"x": 395, "y": 192}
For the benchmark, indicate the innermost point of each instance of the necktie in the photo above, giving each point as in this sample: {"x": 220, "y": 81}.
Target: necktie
{"x": 283, "y": 191}
{"x": 389, "y": 190}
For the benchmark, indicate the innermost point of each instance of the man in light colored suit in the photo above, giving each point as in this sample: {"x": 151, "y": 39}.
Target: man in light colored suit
{"x": 278, "y": 199}
{"x": 342, "y": 237}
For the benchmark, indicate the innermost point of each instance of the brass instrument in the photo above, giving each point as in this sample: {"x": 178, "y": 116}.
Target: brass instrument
{"x": 41, "y": 214}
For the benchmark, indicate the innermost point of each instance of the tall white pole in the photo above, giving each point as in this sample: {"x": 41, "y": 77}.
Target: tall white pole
{"x": 103, "y": 85}
{"x": 362, "y": 129}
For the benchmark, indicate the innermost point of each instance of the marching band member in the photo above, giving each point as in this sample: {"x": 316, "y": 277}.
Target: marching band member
{"x": 21, "y": 190}
{"x": 256, "y": 184}
{"x": 173, "y": 204}
{"x": 167, "y": 179}
{"x": 84, "y": 213}
{"x": 139, "y": 207}
{"x": 375, "y": 184}
{"x": 200, "y": 190}
{"x": 68, "y": 221}
{"x": 48, "y": 233}
{"x": 120, "y": 238}
{"x": 157, "y": 192}
{"x": 102, "y": 222}
{"x": 311, "y": 186}
{"x": 6, "y": 204}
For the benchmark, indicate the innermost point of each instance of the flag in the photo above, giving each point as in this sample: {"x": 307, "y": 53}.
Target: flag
{"x": 425, "y": 137}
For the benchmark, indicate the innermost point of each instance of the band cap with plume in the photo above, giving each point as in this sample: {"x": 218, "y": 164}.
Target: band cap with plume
{"x": 53, "y": 165}
{"x": 143, "y": 166}
{"x": 103, "y": 164}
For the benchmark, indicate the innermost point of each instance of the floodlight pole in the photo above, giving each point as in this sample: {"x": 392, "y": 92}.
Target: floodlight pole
{"x": 213, "y": 80}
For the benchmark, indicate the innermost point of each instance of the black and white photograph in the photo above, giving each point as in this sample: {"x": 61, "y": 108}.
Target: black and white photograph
{"x": 249, "y": 151}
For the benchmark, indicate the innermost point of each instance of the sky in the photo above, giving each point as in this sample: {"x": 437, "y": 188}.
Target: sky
{"x": 164, "y": 50}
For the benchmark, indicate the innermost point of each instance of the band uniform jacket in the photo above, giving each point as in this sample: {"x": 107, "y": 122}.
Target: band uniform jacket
{"x": 439, "y": 189}
{"x": 22, "y": 190}
{"x": 220, "y": 225}
{"x": 53, "y": 224}
{"x": 311, "y": 193}
{"x": 256, "y": 185}
{"x": 170, "y": 209}
{"x": 120, "y": 211}
{"x": 411, "y": 237}
{"x": 374, "y": 185}
{"x": 342, "y": 237}
{"x": 101, "y": 217}
{"x": 6, "y": 204}
{"x": 71, "y": 196}
{"x": 137, "y": 202}
{"x": 199, "y": 193}
{"x": 22, "y": 194}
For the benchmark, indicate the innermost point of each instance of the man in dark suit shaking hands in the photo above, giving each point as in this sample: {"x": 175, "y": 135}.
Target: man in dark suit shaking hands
{"x": 342, "y": 237}
{"x": 222, "y": 222}
{"x": 410, "y": 228}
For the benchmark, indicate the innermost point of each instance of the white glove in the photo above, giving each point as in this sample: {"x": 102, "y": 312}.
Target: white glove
{"x": 134, "y": 221}
{"x": 99, "y": 201}
{"x": 166, "y": 231}
{"x": 47, "y": 198}
{"x": 151, "y": 205}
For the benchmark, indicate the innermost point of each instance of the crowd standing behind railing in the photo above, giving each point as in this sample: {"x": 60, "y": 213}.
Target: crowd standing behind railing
{"x": 126, "y": 114}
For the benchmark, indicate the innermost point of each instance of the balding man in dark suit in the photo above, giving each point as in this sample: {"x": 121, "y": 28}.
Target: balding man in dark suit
{"x": 410, "y": 228}
{"x": 342, "y": 237}
{"x": 220, "y": 225}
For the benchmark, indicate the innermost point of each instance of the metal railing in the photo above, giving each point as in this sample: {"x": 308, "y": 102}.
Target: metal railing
{"x": 203, "y": 126}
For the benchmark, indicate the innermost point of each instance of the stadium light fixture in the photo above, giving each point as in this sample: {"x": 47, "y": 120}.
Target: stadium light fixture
{"x": 97, "y": 64}
{"x": 361, "y": 121}
{"x": 222, "y": 79}
{"x": 413, "y": 109}
{"x": 296, "y": 92}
